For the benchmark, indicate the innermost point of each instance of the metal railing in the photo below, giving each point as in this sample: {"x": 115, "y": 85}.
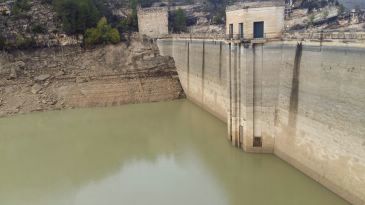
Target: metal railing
{"x": 234, "y": 37}
{"x": 243, "y": 37}
{"x": 216, "y": 36}
{"x": 325, "y": 35}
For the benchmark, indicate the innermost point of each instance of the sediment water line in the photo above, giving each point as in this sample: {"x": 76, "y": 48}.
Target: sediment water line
{"x": 240, "y": 140}
{"x": 230, "y": 91}
{"x": 203, "y": 72}
{"x": 188, "y": 66}
{"x": 294, "y": 95}
{"x": 235, "y": 83}
{"x": 220, "y": 62}
{"x": 253, "y": 88}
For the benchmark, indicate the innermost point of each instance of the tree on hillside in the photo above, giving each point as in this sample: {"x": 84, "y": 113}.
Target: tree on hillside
{"x": 341, "y": 9}
{"x": 311, "y": 20}
{"x": 21, "y": 6}
{"x": 77, "y": 16}
{"x": 2, "y": 42}
{"x": 217, "y": 9}
{"x": 130, "y": 23}
{"x": 133, "y": 20}
{"x": 178, "y": 21}
{"x": 103, "y": 33}
{"x": 325, "y": 14}
{"x": 314, "y": 4}
{"x": 146, "y": 3}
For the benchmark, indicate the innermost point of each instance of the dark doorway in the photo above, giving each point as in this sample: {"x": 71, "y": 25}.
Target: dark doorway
{"x": 258, "y": 29}
{"x": 230, "y": 31}
{"x": 257, "y": 142}
{"x": 240, "y": 29}
{"x": 241, "y": 136}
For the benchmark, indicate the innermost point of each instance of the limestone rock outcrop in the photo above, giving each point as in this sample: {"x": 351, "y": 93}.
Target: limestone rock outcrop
{"x": 70, "y": 76}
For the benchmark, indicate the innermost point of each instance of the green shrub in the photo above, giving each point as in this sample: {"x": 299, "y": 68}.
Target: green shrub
{"x": 311, "y": 20}
{"x": 217, "y": 8}
{"x": 46, "y": 1}
{"x": 113, "y": 36}
{"x": 147, "y": 3}
{"x": 2, "y": 42}
{"x": 24, "y": 42}
{"x": 218, "y": 19}
{"x": 325, "y": 14}
{"x": 178, "y": 21}
{"x": 92, "y": 36}
{"x": 77, "y": 16}
{"x": 103, "y": 27}
{"x": 341, "y": 9}
{"x": 123, "y": 24}
{"x": 189, "y": 1}
{"x": 39, "y": 29}
{"x": 313, "y": 4}
{"x": 128, "y": 24}
{"x": 103, "y": 33}
{"x": 21, "y": 6}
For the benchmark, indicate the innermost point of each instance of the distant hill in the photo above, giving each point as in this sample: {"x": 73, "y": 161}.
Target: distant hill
{"x": 351, "y": 4}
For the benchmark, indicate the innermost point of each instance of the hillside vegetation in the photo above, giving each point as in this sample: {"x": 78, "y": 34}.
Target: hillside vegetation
{"x": 37, "y": 22}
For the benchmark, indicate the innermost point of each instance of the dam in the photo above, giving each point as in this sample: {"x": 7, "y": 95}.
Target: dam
{"x": 300, "y": 100}
{"x": 93, "y": 106}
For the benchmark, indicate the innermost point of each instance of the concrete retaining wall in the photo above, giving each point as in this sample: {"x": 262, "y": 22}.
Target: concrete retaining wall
{"x": 303, "y": 102}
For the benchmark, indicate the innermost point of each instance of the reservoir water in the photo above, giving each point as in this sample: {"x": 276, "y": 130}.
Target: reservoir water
{"x": 168, "y": 153}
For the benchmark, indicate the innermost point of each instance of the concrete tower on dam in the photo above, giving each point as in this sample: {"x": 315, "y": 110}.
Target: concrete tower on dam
{"x": 153, "y": 21}
{"x": 250, "y": 24}
{"x": 255, "y": 20}
{"x": 302, "y": 100}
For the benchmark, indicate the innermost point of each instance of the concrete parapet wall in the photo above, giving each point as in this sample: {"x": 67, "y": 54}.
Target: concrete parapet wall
{"x": 326, "y": 35}
{"x": 305, "y": 102}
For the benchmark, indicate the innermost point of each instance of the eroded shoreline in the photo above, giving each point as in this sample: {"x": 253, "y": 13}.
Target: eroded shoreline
{"x": 70, "y": 77}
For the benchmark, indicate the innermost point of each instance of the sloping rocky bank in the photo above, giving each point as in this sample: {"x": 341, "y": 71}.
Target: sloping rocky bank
{"x": 69, "y": 77}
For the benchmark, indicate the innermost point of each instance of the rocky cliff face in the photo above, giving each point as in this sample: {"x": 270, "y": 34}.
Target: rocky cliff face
{"x": 39, "y": 26}
{"x": 140, "y": 54}
{"x": 65, "y": 77}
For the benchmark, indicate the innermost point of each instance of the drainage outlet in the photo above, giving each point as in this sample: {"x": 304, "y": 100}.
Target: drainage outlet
{"x": 257, "y": 142}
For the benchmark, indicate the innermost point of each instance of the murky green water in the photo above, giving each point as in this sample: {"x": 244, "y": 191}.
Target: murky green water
{"x": 157, "y": 154}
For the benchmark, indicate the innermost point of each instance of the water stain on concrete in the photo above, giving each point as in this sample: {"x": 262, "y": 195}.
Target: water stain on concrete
{"x": 294, "y": 95}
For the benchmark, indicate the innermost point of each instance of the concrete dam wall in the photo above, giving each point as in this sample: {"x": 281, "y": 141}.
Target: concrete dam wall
{"x": 304, "y": 102}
